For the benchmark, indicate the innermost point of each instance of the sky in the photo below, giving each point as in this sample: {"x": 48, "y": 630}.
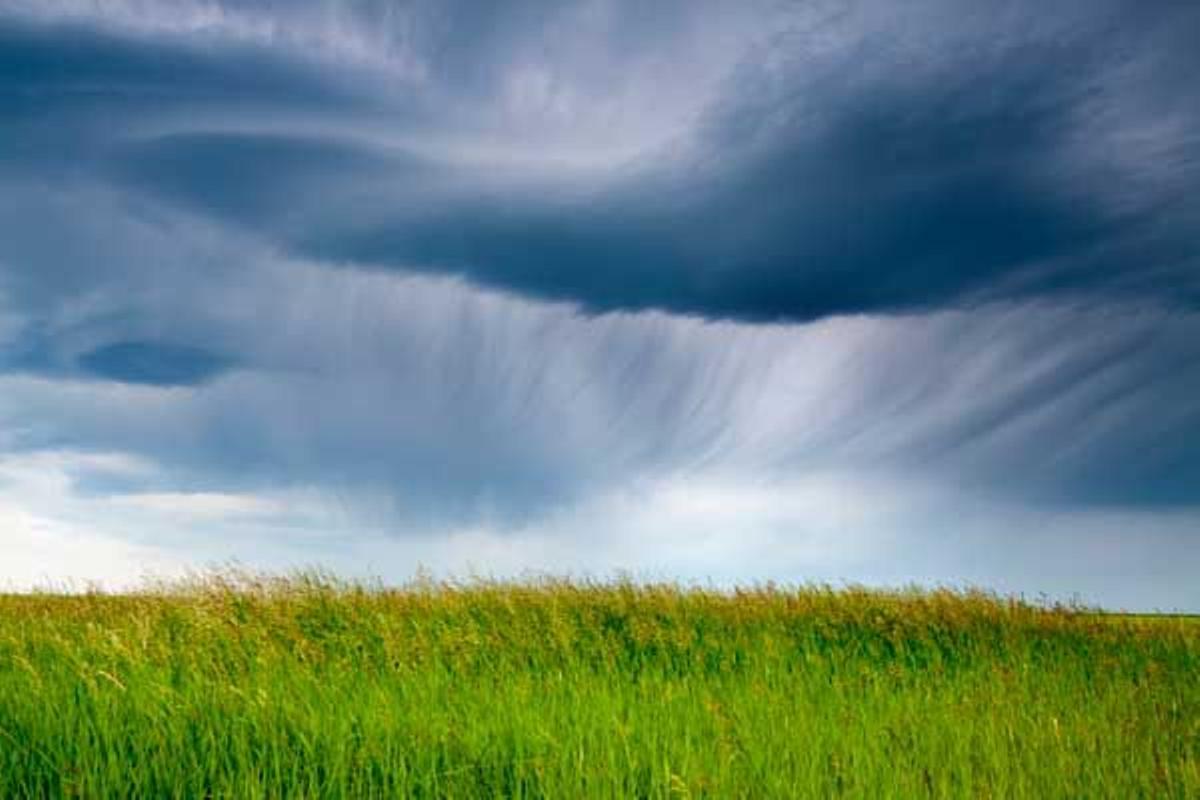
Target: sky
{"x": 717, "y": 292}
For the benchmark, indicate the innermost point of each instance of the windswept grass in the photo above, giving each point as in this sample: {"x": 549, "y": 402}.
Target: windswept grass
{"x": 239, "y": 686}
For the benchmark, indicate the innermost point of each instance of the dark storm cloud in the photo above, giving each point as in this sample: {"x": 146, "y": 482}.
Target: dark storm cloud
{"x": 68, "y": 91}
{"x": 50, "y": 66}
{"x": 879, "y": 174}
{"x": 882, "y": 174}
{"x": 214, "y": 213}
{"x": 153, "y": 363}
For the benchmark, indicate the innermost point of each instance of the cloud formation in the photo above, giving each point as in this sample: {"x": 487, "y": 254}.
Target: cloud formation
{"x": 832, "y": 161}
{"x": 434, "y": 279}
{"x": 152, "y": 363}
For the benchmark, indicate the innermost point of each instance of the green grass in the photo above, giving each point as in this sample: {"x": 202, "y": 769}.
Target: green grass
{"x": 249, "y": 687}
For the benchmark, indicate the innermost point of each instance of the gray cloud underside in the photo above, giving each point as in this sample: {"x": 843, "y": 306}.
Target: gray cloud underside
{"x": 460, "y": 402}
{"x": 260, "y": 255}
{"x": 841, "y": 162}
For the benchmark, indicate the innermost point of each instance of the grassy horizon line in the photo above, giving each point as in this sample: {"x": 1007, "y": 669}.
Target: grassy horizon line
{"x": 237, "y": 578}
{"x": 237, "y": 683}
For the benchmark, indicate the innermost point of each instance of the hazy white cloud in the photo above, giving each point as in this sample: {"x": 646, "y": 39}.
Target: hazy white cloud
{"x": 213, "y": 505}
{"x": 711, "y": 528}
{"x": 46, "y": 542}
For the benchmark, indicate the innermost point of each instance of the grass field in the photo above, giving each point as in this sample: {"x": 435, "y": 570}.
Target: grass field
{"x": 239, "y": 686}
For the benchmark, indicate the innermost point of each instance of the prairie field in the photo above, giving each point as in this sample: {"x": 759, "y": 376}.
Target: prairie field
{"x": 248, "y": 686}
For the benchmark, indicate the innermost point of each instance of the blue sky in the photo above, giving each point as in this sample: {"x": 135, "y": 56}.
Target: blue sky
{"x": 864, "y": 291}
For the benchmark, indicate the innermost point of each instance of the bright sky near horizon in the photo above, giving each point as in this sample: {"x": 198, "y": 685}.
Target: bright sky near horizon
{"x": 729, "y": 291}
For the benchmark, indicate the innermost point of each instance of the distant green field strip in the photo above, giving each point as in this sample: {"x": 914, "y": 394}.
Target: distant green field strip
{"x": 1153, "y": 619}
{"x": 253, "y": 687}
